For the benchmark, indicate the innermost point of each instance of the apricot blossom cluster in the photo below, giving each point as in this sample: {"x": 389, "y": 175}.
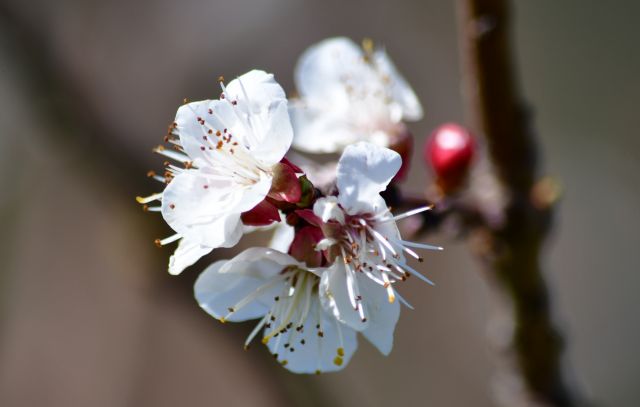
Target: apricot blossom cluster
{"x": 334, "y": 270}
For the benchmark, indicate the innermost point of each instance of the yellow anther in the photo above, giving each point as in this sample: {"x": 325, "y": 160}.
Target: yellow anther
{"x": 367, "y": 45}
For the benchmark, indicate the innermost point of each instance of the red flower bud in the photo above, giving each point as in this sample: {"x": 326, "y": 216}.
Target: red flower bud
{"x": 261, "y": 215}
{"x": 449, "y": 151}
{"x": 403, "y": 145}
{"x": 303, "y": 247}
{"x": 285, "y": 185}
{"x": 309, "y": 216}
{"x": 294, "y": 167}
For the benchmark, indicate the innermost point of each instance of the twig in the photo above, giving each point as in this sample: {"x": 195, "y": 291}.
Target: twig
{"x": 514, "y": 255}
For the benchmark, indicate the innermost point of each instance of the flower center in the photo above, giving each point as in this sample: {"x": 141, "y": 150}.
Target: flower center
{"x": 371, "y": 245}
{"x": 294, "y": 314}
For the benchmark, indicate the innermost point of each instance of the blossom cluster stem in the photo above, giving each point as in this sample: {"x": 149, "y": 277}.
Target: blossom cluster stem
{"x": 497, "y": 111}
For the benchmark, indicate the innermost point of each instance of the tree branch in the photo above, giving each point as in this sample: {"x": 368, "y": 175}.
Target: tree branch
{"x": 498, "y": 113}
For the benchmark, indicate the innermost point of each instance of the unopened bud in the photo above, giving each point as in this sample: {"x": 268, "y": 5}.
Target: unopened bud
{"x": 403, "y": 145}
{"x": 262, "y": 214}
{"x": 303, "y": 247}
{"x": 449, "y": 151}
{"x": 285, "y": 185}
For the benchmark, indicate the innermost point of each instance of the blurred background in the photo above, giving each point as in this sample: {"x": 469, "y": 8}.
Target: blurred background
{"x": 89, "y": 315}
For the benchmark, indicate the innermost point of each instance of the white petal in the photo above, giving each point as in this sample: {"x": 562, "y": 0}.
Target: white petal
{"x": 198, "y": 124}
{"x": 246, "y": 229}
{"x": 251, "y": 195}
{"x": 327, "y": 209}
{"x": 401, "y": 92}
{"x": 382, "y": 315}
{"x": 274, "y": 135}
{"x": 187, "y": 253}
{"x": 225, "y": 283}
{"x": 260, "y": 109}
{"x": 263, "y": 253}
{"x": 233, "y": 230}
{"x": 364, "y": 170}
{"x": 388, "y": 229}
{"x": 191, "y": 130}
{"x": 327, "y": 74}
{"x": 216, "y": 292}
{"x": 321, "y": 130}
{"x": 225, "y": 118}
{"x": 317, "y": 354}
{"x": 348, "y": 96}
{"x": 209, "y": 216}
{"x": 282, "y": 238}
{"x": 255, "y": 89}
{"x": 322, "y": 65}
{"x": 335, "y": 296}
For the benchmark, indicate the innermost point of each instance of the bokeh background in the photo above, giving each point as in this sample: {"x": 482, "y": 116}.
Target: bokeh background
{"x": 88, "y": 314}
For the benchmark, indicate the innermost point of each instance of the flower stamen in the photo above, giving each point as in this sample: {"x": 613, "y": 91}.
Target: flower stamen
{"x": 405, "y": 215}
{"x": 167, "y": 240}
{"x": 150, "y": 198}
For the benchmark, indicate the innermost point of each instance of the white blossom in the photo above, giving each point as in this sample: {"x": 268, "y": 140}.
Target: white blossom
{"x": 349, "y": 94}
{"x": 283, "y": 294}
{"x": 228, "y": 148}
{"x": 370, "y": 253}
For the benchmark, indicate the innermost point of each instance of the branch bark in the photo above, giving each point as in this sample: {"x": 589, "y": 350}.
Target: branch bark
{"x": 497, "y": 112}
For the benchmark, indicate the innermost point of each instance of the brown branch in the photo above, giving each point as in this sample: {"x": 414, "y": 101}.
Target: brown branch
{"x": 498, "y": 113}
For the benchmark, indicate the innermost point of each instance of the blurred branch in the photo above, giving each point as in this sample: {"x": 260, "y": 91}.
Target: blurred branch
{"x": 514, "y": 247}
{"x": 87, "y": 140}
{"x": 72, "y": 118}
